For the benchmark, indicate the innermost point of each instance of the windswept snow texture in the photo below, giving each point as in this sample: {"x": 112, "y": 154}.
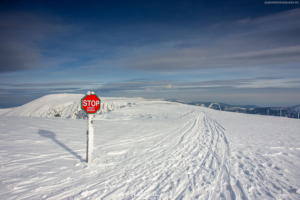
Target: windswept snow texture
{"x": 148, "y": 150}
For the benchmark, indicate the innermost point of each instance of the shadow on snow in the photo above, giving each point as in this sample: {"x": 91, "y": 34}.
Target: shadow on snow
{"x": 51, "y": 135}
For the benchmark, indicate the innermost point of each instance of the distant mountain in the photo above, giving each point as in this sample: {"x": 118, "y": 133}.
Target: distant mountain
{"x": 295, "y": 106}
{"x": 207, "y": 104}
{"x": 291, "y": 112}
{"x": 247, "y": 106}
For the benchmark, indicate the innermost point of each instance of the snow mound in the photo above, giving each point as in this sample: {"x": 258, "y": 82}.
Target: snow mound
{"x": 66, "y": 106}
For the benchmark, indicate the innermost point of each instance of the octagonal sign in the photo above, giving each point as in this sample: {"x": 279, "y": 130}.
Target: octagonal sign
{"x": 90, "y": 103}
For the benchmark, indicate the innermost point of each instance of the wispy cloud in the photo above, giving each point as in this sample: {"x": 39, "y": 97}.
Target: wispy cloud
{"x": 137, "y": 85}
{"x": 164, "y": 85}
{"x": 43, "y": 88}
{"x": 28, "y": 41}
{"x": 21, "y": 36}
{"x": 271, "y": 40}
{"x": 50, "y": 84}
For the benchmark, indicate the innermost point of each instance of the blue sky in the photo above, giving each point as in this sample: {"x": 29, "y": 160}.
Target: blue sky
{"x": 245, "y": 52}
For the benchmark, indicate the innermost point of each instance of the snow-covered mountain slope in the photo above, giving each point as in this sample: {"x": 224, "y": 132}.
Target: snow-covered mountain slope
{"x": 65, "y": 105}
{"x": 5, "y": 110}
{"x": 151, "y": 150}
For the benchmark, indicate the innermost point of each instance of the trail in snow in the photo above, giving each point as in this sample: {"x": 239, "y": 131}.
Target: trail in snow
{"x": 188, "y": 163}
{"x": 264, "y": 155}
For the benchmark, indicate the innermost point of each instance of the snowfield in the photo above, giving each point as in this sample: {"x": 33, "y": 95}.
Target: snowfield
{"x": 146, "y": 149}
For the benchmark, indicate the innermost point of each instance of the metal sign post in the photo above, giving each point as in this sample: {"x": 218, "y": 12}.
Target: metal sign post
{"x": 90, "y": 103}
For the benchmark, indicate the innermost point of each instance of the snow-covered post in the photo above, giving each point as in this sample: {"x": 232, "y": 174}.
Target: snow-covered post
{"x": 90, "y": 103}
{"x": 298, "y": 115}
{"x": 90, "y": 139}
{"x": 280, "y": 112}
{"x": 90, "y": 135}
{"x": 268, "y": 112}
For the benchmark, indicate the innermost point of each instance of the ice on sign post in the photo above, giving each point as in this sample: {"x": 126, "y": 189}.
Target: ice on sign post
{"x": 90, "y": 103}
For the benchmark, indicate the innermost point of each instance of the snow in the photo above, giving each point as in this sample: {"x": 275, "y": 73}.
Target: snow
{"x": 66, "y": 106}
{"x": 90, "y": 138}
{"x": 5, "y": 110}
{"x": 146, "y": 150}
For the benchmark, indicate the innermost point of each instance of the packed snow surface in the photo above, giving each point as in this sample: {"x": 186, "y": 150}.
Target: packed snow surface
{"x": 146, "y": 150}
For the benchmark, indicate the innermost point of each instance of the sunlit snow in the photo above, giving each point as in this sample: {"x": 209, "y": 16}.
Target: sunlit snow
{"x": 146, "y": 149}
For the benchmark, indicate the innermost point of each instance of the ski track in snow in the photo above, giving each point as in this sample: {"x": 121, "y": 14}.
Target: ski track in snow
{"x": 188, "y": 163}
{"x": 145, "y": 154}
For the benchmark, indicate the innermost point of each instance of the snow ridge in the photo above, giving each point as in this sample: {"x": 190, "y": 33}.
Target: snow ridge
{"x": 65, "y": 106}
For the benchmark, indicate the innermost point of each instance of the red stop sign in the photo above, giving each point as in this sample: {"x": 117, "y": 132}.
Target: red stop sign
{"x": 90, "y": 103}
